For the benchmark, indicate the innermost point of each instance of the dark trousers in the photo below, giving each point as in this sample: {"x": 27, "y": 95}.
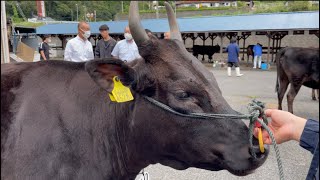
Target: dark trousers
{"x": 235, "y": 64}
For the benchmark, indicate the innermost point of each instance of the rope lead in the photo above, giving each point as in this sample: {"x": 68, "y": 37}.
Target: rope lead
{"x": 255, "y": 109}
{"x": 256, "y": 113}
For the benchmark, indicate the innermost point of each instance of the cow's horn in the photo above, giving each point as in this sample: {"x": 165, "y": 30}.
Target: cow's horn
{"x": 174, "y": 28}
{"x": 138, "y": 33}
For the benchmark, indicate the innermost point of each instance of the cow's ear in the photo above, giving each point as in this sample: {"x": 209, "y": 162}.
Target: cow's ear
{"x": 103, "y": 71}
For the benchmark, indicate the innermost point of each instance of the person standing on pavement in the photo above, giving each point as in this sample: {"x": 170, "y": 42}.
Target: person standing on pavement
{"x": 44, "y": 48}
{"x": 233, "y": 57}
{"x": 126, "y": 49}
{"x": 257, "y": 51}
{"x": 79, "y": 49}
{"x": 106, "y": 44}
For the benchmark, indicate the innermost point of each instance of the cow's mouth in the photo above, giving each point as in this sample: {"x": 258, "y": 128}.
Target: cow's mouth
{"x": 254, "y": 163}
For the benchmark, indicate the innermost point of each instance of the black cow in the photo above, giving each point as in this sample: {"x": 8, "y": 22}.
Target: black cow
{"x": 205, "y": 50}
{"x": 58, "y": 122}
{"x": 297, "y": 66}
{"x": 250, "y": 52}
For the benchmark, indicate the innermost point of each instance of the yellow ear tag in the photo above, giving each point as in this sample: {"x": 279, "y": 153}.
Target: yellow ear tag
{"x": 111, "y": 97}
{"x": 261, "y": 147}
{"x": 120, "y": 93}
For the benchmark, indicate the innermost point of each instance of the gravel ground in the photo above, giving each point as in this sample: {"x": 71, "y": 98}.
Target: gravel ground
{"x": 239, "y": 91}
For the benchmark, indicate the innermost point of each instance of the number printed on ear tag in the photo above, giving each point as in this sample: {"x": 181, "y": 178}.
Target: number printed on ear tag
{"x": 120, "y": 93}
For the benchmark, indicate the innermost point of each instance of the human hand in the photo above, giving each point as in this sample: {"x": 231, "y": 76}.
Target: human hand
{"x": 284, "y": 126}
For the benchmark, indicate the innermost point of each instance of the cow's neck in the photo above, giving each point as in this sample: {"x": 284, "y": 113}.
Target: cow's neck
{"x": 145, "y": 135}
{"x": 128, "y": 159}
{"x": 131, "y": 162}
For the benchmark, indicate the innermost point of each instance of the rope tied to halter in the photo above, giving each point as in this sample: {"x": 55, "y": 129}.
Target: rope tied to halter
{"x": 256, "y": 113}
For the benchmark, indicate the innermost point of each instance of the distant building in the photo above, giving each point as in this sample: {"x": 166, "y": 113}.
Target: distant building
{"x": 40, "y": 19}
{"x": 199, "y": 4}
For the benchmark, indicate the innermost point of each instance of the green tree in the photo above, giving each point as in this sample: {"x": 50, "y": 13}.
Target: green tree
{"x": 12, "y": 12}
{"x": 29, "y": 8}
{"x": 15, "y": 16}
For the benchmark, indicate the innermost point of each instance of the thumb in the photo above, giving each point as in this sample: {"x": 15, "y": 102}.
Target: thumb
{"x": 268, "y": 112}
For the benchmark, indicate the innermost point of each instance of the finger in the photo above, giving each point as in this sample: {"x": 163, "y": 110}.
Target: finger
{"x": 267, "y": 141}
{"x": 268, "y": 112}
{"x": 266, "y": 138}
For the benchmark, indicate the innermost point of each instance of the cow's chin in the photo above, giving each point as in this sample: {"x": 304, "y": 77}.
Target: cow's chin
{"x": 174, "y": 163}
{"x": 239, "y": 169}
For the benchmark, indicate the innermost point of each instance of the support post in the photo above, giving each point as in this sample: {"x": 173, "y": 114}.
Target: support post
{"x": 184, "y": 38}
{"x": 5, "y": 58}
{"x": 203, "y": 37}
{"x": 193, "y": 38}
{"x": 221, "y": 35}
{"x": 212, "y": 40}
{"x": 244, "y": 37}
{"x": 272, "y": 49}
{"x": 268, "y": 53}
{"x": 63, "y": 41}
{"x": 213, "y": 36}
{"x": 277, "y": 42}
{"x": 238, "y": 39}
{"x": 280, "y": 44}
{"x": 243, "y": 46}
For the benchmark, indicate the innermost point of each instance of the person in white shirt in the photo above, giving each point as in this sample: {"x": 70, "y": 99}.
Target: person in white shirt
{"x": 126, "y": 49}
{"x": 79, "y": 49}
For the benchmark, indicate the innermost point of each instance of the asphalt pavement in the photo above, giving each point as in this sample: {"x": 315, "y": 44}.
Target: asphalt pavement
{"x": 239, "y": 91}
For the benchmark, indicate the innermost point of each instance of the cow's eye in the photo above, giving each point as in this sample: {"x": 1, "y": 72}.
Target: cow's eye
{"x": 183, "y": 95}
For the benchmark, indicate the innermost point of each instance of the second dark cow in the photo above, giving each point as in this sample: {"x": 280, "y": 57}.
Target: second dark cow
{"x": 296, "y": 66}
{"x": 205, "y": 50}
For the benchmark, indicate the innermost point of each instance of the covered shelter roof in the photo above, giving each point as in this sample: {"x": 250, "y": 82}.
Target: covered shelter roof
{"x": 256, "y": 22}
{"x": 23, "y": 29}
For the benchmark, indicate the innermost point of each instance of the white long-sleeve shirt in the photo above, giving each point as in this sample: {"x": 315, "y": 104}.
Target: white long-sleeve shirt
{"x": 126, "y": 51}
{"x": 78, "y": 50}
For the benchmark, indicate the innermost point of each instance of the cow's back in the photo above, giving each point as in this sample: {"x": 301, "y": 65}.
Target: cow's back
{"x": 300, "y": 64}
{"x": 32, "y": 126}
{"x": 11, "y": 75}
{"x": 52, "y": 118}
